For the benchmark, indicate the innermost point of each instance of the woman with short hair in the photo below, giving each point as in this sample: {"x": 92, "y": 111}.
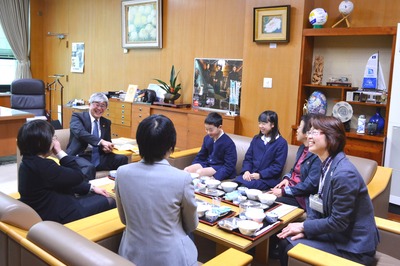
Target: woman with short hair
{"x": 156, "y": 201}
{"x": 340, "y": 217}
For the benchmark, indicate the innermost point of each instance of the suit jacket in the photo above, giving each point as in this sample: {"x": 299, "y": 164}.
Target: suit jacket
{"x": 81, "y": 136}
{"x": 348, "y": 219}
{"x": 221, "y": 155}
{"x": 49, "y": 188}
{"x": 310, "y": 172}
{"x": 158, "y": 206}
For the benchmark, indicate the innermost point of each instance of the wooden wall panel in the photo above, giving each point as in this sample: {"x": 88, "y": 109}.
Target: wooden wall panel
{"x": 280, "y": 64}
{"x": 191, "y": 28}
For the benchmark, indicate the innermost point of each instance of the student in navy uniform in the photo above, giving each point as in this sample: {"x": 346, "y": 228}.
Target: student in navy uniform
{"x": 217, "y": 156}
{"x": 266, "y": 156}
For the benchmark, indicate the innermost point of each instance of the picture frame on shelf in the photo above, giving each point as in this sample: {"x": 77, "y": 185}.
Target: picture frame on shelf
{"x": 141, "y": 24}
{"x": 271, "y": 24}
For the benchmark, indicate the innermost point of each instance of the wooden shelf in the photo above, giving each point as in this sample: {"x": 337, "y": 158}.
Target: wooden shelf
{"x": 362, "y": 31}
{"x": 331, "y": 42}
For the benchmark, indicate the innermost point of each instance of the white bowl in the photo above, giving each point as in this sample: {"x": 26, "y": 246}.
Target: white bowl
{"x": 113, "y": 173}
{"x": 194, "y": 175}
{"x": 255, "y": 214}
{"x": 266, "y": 198}
{"x": 229, "y": 186}
{"x": 242, "y": 190}
{"x": 202, "y": 208}
{"x": 247, "y": 227}
{"x": 212, "y": 183}
{"x": 211, "y": 216}
{"x": 253, "y": 193}
{"x": 272, "y": 217}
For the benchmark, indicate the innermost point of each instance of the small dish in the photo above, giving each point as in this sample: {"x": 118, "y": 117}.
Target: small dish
{"x": 343, "y": 111}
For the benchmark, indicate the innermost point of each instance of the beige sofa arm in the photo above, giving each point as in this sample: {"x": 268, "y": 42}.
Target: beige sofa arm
{"x": 70, "y": 247}
{"x": 181, "y": 159}
{"x": 305, "y": 255}
{"x": 379, "y": 190}
{"x": 389, "y": 232}
{"x": 231, "y": 257}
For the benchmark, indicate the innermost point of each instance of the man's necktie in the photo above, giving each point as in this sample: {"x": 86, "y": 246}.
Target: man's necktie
{"x": 95, "y": 150}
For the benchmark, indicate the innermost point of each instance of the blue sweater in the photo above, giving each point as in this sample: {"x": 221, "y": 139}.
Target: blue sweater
{"x": 220, "y": 155}
{"x": 267, "y": 160}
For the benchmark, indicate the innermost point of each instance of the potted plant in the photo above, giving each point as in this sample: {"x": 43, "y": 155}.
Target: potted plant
{"x": 172, "y": 90}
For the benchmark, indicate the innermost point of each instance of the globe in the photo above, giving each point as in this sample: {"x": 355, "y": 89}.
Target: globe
{"x": 318, "y": 17}
{"x": 346, "y": 7}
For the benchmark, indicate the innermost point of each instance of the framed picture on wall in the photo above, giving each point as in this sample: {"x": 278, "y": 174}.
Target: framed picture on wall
{"x": 271, "y": 24}
{"x": 217, "y": 84}
{"x": 142, "y": 24}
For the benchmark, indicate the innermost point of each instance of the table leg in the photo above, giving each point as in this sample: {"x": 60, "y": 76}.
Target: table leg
{"x": 262, "y": 250}
{"x": 220, "y": 249}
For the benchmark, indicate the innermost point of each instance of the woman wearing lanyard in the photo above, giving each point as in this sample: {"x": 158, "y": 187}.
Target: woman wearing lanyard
{"x": 340, "y": 217}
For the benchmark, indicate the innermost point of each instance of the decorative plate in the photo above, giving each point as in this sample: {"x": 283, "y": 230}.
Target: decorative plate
{"x": 343, "y": 111}
{"x": 316, "y": 104}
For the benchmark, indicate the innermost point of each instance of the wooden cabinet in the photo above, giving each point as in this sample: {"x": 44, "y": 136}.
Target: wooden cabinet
{"x": 68, "y": 111}
{"x": 119, "y": 112}
{"x": 346, "y": 52}
{"x": 189, "y": 123}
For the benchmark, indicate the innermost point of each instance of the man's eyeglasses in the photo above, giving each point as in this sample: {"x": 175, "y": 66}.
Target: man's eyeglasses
{"x": 100, "y": 105}
{"x": 314, "y": 133}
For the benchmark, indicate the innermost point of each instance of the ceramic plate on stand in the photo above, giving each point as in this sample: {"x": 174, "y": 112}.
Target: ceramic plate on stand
{"x": 343, "y": 111}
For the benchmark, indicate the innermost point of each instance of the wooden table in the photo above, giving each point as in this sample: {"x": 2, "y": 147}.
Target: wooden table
{"x": 225, "y": 240}
{"x": 10, "y": 122}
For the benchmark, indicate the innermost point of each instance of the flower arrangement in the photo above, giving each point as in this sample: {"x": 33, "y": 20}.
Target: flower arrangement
{"x": 172, "y": 88}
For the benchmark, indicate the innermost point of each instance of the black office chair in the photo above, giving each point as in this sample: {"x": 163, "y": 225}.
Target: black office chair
{"x": 28, "y": 95}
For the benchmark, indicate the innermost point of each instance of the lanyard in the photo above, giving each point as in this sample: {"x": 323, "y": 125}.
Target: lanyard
{"x": 326, "y": 165}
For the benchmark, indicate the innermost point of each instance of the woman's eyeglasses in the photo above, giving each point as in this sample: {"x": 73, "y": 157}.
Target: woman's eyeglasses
{"x": 314, "y": 133}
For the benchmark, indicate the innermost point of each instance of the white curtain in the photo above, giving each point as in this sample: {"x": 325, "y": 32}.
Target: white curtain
{"x": 14, "y": 19}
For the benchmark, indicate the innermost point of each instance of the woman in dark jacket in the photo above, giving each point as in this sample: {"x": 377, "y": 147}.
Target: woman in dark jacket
{"x": 57, "y": 192}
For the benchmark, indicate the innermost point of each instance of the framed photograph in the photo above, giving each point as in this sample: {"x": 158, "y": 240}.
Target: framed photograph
{"x": 217, "y": 84}
{"x": 271, "y": 24}
{"x": 142, "y": 24}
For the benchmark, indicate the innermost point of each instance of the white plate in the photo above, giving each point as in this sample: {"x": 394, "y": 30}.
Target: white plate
{"x": 343, "y": 111}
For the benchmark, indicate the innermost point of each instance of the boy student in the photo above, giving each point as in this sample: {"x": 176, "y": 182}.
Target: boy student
{"x": 217, "y": 156}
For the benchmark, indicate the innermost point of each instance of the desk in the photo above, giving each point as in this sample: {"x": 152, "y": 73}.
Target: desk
{"x": 10, "y": 122}
{"x": 224, "y": 239}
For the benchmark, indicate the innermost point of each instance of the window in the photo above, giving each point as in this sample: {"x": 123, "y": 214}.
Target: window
{"x": 8, "y": 63}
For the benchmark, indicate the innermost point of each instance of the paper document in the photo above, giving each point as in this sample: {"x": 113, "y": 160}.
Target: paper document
{"x": 283, "y": 210}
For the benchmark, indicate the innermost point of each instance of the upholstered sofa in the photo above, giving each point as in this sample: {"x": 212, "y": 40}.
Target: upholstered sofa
{"x": 387, "y": 252}
{"x": 27, "y": 240}
{"x": 63, "y": 138}
{"x": 376, "y": 177}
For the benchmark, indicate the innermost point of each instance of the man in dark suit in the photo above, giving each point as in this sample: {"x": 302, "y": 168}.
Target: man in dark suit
{"x": 90, "y": 138}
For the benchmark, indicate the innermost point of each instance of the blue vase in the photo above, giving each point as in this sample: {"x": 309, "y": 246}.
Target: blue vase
{"x": 378, "y": 120}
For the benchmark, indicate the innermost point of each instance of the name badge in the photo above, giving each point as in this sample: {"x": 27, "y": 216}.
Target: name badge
{"x": 316, "y": 203}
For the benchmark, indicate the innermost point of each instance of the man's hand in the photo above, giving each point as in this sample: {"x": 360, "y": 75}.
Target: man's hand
{"x": 106, "y": 146}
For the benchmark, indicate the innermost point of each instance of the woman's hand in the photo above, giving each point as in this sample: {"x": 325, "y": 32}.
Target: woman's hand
{"x": 247, "y": 176}
{"x": 100, "y": 191}
{"x": 283, "y": 183}
{"x": 56, "y": 146}
{"x": 296, "y": 230}
{"x": 276, "y": 191}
